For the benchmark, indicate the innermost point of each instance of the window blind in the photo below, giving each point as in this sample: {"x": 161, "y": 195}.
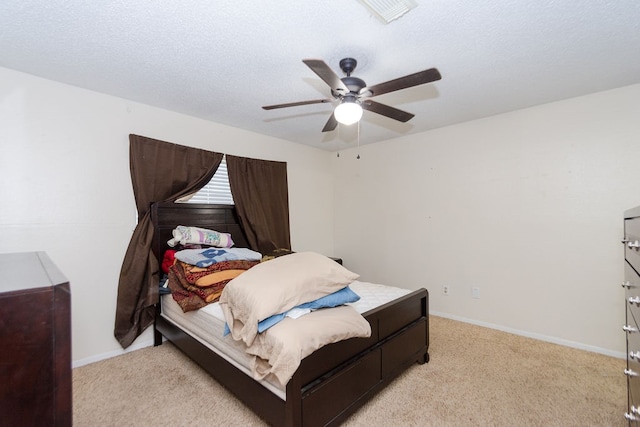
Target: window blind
{"x": 217, "y": 191}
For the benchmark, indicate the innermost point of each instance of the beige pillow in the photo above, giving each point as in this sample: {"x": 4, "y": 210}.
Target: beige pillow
{"x": 280, "y": 350}
{"x": 275, "y": 286}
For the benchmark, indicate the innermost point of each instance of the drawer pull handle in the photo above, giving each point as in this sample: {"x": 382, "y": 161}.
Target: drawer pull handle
{"x": 627, "y": 285}
{"x": 623, "y": 241}
{"x": 631, "y": 373}
{"x": 633, "y": 245}
{"x": 634, "y": 355}
{"x": 634, "y": 300}
{"x": 629, "y": 328}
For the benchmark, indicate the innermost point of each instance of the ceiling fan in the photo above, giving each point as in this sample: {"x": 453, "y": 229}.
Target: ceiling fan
{"x": 354, "y": 94}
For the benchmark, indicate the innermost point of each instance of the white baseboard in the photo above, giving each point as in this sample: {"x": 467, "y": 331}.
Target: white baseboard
{"x": 110, "y": 354}
{"x": 553, "y": 340}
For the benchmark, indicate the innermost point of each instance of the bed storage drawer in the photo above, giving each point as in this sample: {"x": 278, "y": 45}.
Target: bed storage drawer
{"x": 341, "y": 390}
{"x": 399, "y": 316}
{"x": 404, "y": 348}
{"x": 327, "y": 358}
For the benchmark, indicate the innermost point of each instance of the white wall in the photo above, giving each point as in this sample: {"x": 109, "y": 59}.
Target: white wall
{"x": 527, "y": 206}
{"x": 66, "y": 188}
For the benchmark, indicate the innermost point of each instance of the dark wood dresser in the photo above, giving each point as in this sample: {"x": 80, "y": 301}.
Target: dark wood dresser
{"x": 35, "y": 342}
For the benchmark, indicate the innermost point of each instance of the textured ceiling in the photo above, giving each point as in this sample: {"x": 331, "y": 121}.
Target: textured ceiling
{"x": 222, "y": 61}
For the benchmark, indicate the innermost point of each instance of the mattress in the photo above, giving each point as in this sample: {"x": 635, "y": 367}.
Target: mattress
{"x": 207, "y": 326}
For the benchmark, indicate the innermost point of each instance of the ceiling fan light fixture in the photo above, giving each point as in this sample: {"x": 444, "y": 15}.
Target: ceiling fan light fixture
{"x": 388, "y": 10}
{"x": 348, "y": 112}
{"x": 352, "y": 93}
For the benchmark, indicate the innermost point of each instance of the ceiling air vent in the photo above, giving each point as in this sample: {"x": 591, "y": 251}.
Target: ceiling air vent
{"x": 388, "y": 10}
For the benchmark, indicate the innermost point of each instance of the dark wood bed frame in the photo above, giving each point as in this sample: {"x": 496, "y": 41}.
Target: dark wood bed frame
{"x": 330, "y": 384}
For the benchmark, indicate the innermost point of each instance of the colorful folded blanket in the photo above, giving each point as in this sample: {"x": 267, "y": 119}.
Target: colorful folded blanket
{"x": 209, "y": 256}
{"x": 194, "y": 287}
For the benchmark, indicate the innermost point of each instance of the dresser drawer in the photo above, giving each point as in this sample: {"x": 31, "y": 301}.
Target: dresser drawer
{"x": 631, "y": 325}
{"x": 633, "y": 385}
{"x": 633, "y": 372}
{"x": 632, "y": 296}
{"x": 633, "y": 319}
{"x": 632, "y": 329}
{"x": 631, "y": 282}
{"x": 632, "y": 242}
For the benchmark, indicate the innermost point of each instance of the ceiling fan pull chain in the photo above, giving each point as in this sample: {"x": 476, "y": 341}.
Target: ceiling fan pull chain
{"x": 358, "y": 157}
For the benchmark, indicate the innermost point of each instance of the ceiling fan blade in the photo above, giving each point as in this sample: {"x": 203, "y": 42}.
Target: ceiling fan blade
{"x": 331, "y": 124}
{"x": 415, "y": 79}
{"x": 386, "y": 110}
{"x": 295, "y": 104}
{"x": 323, "y": 71}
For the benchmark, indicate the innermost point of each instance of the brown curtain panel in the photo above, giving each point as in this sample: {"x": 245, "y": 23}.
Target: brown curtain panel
{"x": 160, "y": 171}
{"x": 260, "y": 193}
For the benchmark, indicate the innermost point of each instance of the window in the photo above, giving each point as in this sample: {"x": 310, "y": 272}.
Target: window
{"x": 216, "y": 192}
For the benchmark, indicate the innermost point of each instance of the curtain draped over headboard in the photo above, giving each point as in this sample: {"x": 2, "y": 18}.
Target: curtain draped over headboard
{"x": 259, "y": 189}
{"x": 161, "y": 172}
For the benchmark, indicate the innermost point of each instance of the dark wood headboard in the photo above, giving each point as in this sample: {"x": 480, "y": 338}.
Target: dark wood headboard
{"x": 168, "y": 215}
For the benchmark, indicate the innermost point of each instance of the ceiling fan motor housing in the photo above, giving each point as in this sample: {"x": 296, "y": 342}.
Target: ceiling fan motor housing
{"x": 347, "y": 65}
{"x": 353, "y": 83}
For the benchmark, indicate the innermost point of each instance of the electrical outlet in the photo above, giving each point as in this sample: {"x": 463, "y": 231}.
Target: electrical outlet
{"x": 445, "y": 290}
{"x": 475, "y": 292}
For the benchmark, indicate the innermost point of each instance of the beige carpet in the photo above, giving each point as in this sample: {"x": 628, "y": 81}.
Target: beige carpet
{"x": 476, "y": 377}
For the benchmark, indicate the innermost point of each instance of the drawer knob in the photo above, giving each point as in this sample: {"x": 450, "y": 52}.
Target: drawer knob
{"x": 630, "y": 373}
{"x": 629, "y": 328}
{"x": 634, "y": 300}
{"x": 634, "y": 355}
{"x": 626, "y": 285}
{"x": 633, "y": 245}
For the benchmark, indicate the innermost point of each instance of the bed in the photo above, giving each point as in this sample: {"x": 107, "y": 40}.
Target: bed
{"x": 331, "y": 383}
